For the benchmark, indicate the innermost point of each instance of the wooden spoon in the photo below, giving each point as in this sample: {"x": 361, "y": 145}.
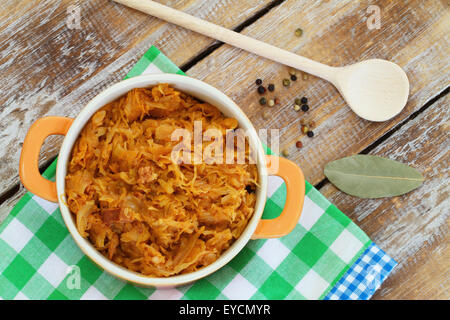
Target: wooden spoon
{"x": 375, "y": 89}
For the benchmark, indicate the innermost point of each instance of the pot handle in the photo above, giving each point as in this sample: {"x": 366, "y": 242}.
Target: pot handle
{"x": 29, "y": 157}
{"x": 295, "y": 185}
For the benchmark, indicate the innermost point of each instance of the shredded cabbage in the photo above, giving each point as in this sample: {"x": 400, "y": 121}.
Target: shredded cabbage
{"x": 138, "y": 207}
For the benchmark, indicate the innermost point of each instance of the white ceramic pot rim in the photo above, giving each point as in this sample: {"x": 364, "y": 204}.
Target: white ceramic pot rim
{"x": 202, "y": 91}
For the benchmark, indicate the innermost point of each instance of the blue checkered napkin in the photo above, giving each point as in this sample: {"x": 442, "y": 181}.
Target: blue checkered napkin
{"x": 364, "y": 277}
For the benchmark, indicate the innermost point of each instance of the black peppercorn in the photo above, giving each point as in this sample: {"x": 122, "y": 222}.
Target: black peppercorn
{"x": 262, "y": 101}
{"x": 261, "y": 90}
{"x": 304, "y": 100}
{"x": 258, "y": 82}
{"x": 271, "y": 87}
{"x": 305, "y": 107}
{"x": 293, "y": 77}
{"x": 310, "y": 134}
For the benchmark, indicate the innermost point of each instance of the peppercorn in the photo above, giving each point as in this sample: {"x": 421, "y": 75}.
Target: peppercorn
{"x": 296, "y": 107}
{"x": 262, "y": 101}
{"x": 271, "y": 103}
{"x": 298, "y": 101}
{"x": 299, "y": 144}
{"x": 305, "y": 129}
{"x": 271, "y": 87}
{"x": 266, "y": 115}
{"x": 293, "y": 77}
{"x": 277, "y": 101}
{"x": 286, "y": 82}
{"x": 305, "y": 76}
{"x": 261, "y": 90}
{"x": 310, "y": 134}
{"x": 304, "y": 100}
{"x": 298, "y": 32}
{"x": 258, "y": 82}
{"x": 285, "y": 152}
{"x": 305, "y": 107}
{"x": 292, "y": 71}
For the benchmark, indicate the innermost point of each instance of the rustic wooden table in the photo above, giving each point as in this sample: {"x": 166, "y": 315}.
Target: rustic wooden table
{"x": 48, "y": 68}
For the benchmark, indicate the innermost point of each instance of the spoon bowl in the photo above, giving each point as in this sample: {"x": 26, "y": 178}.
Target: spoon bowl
{"x": 375, "y": 89}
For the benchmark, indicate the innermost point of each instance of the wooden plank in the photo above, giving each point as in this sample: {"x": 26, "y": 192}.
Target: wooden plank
{"x": 334, "y": 32}
{"x": 413, "y": 228}
{"x": 49, "y": 69}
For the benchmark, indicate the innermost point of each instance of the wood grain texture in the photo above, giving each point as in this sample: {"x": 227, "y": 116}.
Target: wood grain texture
{"x": 412, "y": 35}
{"x": 49, "y": 69}
{"x": 413, "y": 228}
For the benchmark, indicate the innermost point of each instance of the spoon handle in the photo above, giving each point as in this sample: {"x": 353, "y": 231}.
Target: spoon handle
{"x": 233, "y": 38}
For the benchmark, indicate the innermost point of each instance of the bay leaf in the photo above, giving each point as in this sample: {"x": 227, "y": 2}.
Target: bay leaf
{"x": 368, "y": 176}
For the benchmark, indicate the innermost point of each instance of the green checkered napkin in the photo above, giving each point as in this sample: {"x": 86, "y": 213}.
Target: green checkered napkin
{"x": 39, "y": 259}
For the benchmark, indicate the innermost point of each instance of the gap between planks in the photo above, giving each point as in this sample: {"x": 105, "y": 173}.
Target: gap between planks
{"x": 206, "y": 52}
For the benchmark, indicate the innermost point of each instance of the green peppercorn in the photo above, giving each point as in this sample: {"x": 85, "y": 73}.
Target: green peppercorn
{"x": 262, "y": 101}
{"x": 298, "y": 101}
{"x": 296, "y": 107}
{"x": 298, "y": 32}
{"x": 286, "y": 82}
